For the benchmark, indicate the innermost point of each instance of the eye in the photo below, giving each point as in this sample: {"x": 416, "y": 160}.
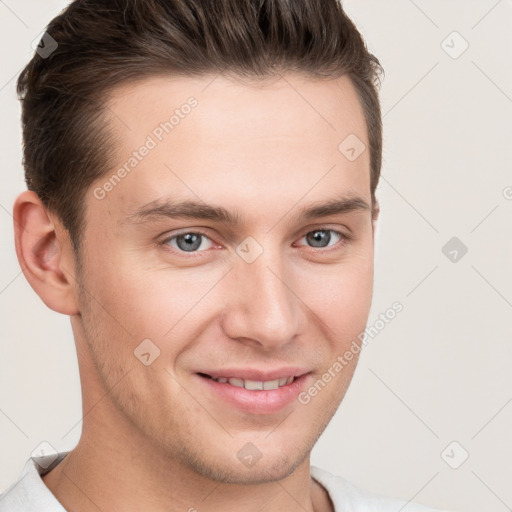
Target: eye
{"x": 320, "y": 238}
{"x": 197, "y": 241}
{"x": 190, "y": 241}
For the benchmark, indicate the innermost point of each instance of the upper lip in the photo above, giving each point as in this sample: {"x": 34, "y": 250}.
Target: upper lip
{"x": 255, "y": 374}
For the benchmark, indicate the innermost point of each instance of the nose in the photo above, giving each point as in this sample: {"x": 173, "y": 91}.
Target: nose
{"x": 261, "y": 307}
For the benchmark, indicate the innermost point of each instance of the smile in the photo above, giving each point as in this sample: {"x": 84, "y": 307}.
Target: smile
{"x": 252, "y": 395}
{"x": 253, "y": 385}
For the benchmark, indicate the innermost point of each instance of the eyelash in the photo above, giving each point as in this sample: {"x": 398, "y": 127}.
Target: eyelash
{"x": 344, "y": 239}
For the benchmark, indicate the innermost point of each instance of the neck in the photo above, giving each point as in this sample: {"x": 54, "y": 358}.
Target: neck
{"x": 121, "y": 471}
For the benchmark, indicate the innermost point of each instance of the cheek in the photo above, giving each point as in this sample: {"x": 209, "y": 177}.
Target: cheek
{"x": 155, "y": 303}
{"x": 355, "y": 291}
{"x": 117, "y": 312}
{"x": 340, "y": 295}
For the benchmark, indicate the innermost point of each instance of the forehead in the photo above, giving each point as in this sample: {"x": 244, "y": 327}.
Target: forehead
{"x": 204, "y": 136}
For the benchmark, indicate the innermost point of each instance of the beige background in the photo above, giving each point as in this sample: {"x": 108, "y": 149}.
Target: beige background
{"x": 440, "y": 371}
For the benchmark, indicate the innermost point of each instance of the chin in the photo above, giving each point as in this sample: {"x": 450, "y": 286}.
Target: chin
{"x": 267, "y": 468}
{"x": 262, "y": 472}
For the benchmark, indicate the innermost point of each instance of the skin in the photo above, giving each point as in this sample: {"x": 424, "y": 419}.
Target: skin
{"x": 153, "y": 437}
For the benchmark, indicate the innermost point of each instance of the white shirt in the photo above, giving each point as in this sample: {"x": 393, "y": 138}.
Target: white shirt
{"x": 30, "y": 494}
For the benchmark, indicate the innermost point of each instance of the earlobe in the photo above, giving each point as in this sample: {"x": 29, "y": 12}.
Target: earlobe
{"x": 45, "y": 254}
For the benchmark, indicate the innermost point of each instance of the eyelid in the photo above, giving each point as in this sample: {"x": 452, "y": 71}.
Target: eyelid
{"x": 184, "y": 231}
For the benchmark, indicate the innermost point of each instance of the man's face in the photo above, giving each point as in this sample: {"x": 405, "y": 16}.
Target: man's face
{"x": 276, "y": 291}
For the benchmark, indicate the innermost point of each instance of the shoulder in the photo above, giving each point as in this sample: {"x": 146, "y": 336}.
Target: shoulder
{"x": 345, "y": 495}
{"x": 29, "y": 493}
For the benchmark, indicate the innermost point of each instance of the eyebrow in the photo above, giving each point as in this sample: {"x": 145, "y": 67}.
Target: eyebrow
{"x": 166, "y": 208}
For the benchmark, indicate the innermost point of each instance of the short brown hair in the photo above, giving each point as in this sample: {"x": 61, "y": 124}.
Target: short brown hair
{"x": 103, "y": 43}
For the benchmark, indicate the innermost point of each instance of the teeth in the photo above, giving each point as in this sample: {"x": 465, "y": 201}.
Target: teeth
{"x": 270, "y": 384}
{"x": 239, "y": 383}
{"x": 254, "y": 385}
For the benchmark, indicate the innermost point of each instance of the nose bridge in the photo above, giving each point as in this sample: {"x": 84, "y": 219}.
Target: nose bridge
{"x": 263, "y": 308}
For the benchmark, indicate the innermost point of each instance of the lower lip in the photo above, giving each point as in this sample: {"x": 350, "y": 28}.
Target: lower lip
{"x": 266, "y": 401}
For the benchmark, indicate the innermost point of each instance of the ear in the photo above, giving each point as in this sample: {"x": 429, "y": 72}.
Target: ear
{"x": 45, "y": 253}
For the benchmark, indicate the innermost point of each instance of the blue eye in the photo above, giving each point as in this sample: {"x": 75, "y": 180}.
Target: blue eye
{"x": 188, "y": 242}
{"x": 320, "y": 238}
{"x": 197, "y": 241}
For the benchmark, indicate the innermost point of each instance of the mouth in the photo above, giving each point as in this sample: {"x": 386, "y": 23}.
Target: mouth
{"x": 269, "y": 395}
{"x": 252, "y": 385}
